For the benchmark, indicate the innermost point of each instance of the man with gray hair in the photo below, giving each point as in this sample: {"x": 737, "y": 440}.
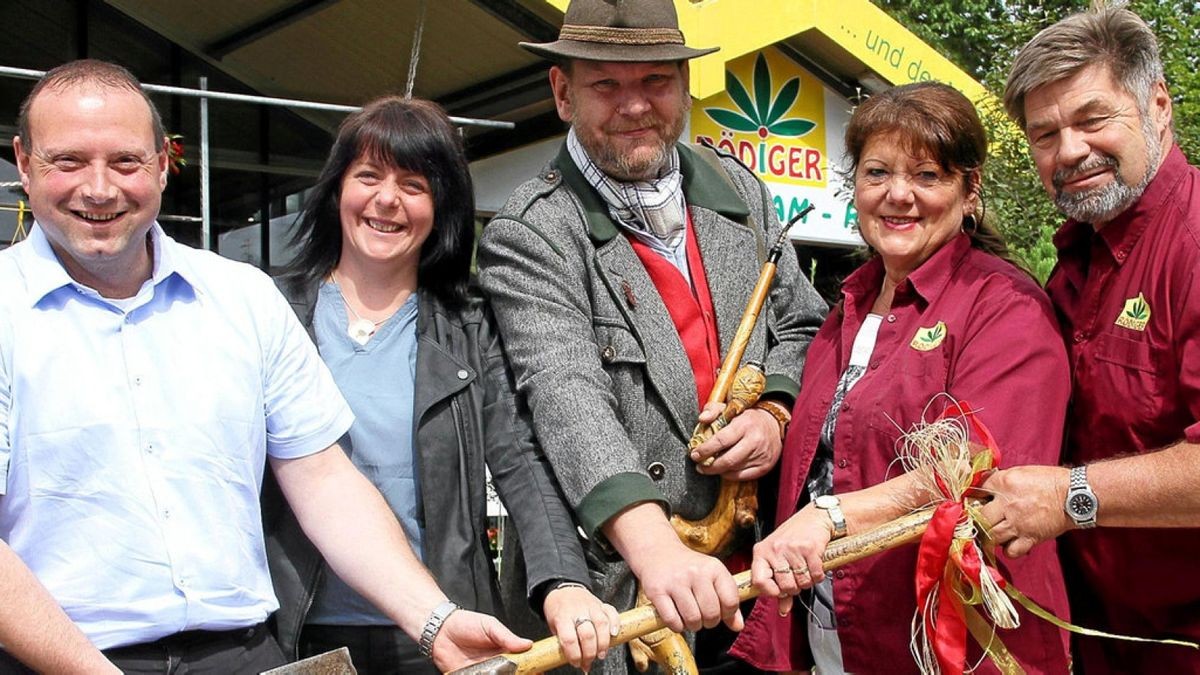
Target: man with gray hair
{"x": 618, "y": 277}
{"x": 1090, "y": 96}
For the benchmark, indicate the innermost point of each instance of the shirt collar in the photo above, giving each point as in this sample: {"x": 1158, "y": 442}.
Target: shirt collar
{"x": 46, "y": 274}
{"x": 1123, "y": 232}
{"x": 927, "y": 280}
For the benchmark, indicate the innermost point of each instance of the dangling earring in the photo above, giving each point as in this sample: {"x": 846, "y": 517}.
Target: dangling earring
{"x": 969, "y": 224}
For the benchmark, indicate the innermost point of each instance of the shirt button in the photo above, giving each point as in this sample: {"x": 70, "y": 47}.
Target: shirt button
{"x": 840, "y": 574}
{"x": 875, "y": 365}
{"x": 656, "y": 470}
{"x": 462, "y": 374}
{"x": 891, "y": 318}
{"x": 150, "y": 448}
{"x": 1078, "y": 337}
{"x": 843, "y": 463}
{"x": 166, "y": 514}
{"x": 137, "y": 381}
{"x": 845, "y": 407}
{"x": 608, "y": 354}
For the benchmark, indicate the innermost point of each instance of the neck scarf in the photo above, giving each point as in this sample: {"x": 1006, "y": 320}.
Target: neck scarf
{"x": 651, "y": 207}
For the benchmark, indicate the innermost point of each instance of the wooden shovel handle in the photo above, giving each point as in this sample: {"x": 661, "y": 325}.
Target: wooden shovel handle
{"x": 547, "y": 654}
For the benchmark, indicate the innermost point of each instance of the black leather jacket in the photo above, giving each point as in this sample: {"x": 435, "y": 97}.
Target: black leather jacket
{"x": 466, "y": 414}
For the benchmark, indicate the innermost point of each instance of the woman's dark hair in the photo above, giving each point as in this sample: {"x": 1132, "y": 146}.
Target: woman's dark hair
{"x": 410, "y": 134}
{"x": 935, "y": 120}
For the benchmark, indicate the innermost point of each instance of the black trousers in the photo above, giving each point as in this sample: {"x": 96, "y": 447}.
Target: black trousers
{"x": 244, "y": 651}
{"x": 375, "y": 650}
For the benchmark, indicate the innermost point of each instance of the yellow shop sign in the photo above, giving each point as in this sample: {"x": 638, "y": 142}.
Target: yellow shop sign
{"x": 782, "y": 123}
{"x": 771, "y": 116}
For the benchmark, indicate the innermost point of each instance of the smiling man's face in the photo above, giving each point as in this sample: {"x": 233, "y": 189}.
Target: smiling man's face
{"x": 95, "y": 173}
{"x": 627, "y": 116}
{"x": 1095, "y": 148}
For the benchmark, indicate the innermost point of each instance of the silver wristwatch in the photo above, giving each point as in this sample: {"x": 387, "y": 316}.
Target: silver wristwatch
{"x": 436, "y": 618}
{"x": 833, "y": 506}
{"x": 1081, "y": 503}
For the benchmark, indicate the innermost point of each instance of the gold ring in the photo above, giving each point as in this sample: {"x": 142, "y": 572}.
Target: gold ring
{"x": 782, "y": 570}
{"x": 802, "y": 570}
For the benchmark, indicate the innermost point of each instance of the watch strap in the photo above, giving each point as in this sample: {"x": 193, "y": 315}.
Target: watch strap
{"x": 433, "y": 626}
{"x": 832, "y": 506}
{"x": 1079, "y": 485}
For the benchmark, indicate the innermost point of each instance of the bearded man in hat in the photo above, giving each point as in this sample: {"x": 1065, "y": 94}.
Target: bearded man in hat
{"x": 619, "y": 275}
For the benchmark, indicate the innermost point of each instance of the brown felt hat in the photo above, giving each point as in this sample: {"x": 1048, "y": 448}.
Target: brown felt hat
{"x": 619, "y": 30}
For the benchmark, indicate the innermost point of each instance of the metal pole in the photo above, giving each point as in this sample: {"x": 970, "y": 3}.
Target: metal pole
{"x": 264, "y": 188}
{"x": 261, "y": 100}
{"x": 205, "y": 210}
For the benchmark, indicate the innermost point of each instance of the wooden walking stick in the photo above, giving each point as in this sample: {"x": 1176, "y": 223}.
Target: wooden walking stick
{"x": 738, "y": 387}
{"x": 642, "y": 620}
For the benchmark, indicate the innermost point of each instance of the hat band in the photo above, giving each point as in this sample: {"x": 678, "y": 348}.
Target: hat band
{"x": 621, "y": 36}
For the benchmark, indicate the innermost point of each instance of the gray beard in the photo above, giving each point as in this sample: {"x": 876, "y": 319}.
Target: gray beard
{"x": 1102, "y": 204}
{"x": 622, "y": 167}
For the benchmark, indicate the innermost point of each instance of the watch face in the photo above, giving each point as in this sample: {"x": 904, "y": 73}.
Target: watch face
{"x": 826, "y": 502}
{"x": 1082, "y": 505}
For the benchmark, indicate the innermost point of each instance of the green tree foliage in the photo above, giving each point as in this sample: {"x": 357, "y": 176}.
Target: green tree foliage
{"x": 983, "y": 36}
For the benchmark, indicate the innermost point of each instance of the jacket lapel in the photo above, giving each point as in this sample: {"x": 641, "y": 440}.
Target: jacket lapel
{"x": 730, "y": 262}
{"x": 667, "y": 365}
{"x": 439, "y": 373}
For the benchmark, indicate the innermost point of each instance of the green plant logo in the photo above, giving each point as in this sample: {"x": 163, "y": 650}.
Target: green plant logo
{"x": 928, "y": 338}
{"x": 1135, "y": 315}
{"x": 763, "y": 113}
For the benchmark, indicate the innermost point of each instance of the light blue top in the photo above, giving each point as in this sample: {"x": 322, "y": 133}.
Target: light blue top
{"x": 133, "y": 441}
{"x": 377, "y": 380}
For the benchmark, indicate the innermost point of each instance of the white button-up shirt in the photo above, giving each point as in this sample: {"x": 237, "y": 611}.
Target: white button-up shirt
{"x": 134, "y": 434}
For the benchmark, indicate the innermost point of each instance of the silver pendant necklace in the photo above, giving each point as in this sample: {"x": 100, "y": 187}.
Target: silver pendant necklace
{"x": 360, "y": 330}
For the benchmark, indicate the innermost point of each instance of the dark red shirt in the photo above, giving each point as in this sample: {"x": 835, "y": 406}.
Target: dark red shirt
{"x": 1000, "y": 350}
{"x": 1128, "y": 299}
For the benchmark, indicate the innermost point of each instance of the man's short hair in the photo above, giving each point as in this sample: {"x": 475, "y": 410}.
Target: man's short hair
{"x": 1108, "y": 36}
{"x": 87, "y": 73}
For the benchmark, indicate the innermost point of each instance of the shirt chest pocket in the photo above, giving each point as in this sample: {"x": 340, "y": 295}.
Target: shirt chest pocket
{"x": 901, "y": 391}
{"x": 1134, "y": 373}
{"x": 923, "y": 369}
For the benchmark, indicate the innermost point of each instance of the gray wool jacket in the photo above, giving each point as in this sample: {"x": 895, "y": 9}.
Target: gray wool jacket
{"x": 596, "y": 353}
{"x": 466, "y": 415}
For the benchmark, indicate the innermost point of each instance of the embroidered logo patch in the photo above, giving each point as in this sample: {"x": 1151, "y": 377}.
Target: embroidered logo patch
{"x": 1136, "y": 314}
{"x": 928, "y": 338}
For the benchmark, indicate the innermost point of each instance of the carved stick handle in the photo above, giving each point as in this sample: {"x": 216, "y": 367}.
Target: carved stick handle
{"x": 546, "y": 654}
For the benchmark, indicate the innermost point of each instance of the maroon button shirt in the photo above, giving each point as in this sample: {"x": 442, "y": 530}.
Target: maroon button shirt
{"x": 1128, "y": 299}
{"x": 1000, "y": 350}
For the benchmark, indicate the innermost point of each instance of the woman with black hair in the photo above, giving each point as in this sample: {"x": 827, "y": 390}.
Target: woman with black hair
{"x": 381, "y": 283}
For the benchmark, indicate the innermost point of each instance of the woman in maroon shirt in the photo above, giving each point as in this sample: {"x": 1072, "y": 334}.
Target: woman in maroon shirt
{"x": 939, "y": 309}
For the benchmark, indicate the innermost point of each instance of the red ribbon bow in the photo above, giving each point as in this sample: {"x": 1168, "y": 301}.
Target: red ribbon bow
{"x": 946, "y": 629}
